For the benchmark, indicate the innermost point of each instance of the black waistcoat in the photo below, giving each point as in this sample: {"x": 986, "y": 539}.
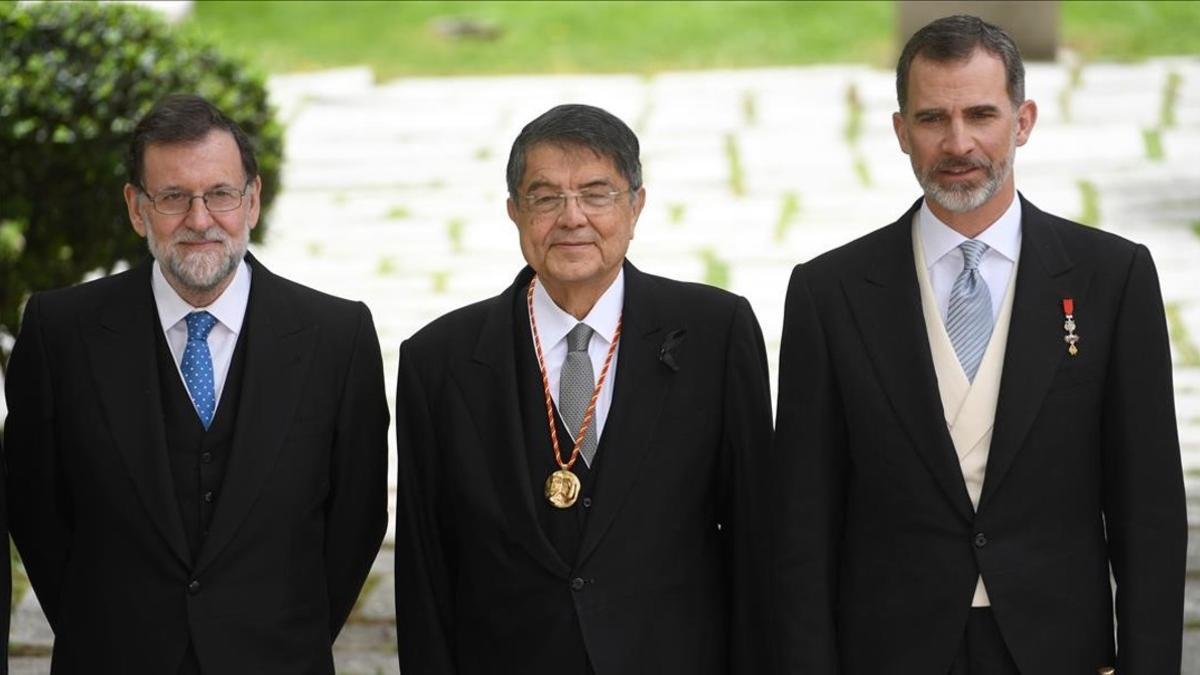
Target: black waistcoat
{"x": 563, "y": 527}
{"x": 198, "y": 457}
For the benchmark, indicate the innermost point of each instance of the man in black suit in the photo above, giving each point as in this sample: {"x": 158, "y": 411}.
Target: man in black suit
{"x": 197, "y": 448}
{"x": 576, "y": 454}
{"x": 976, "y": 416}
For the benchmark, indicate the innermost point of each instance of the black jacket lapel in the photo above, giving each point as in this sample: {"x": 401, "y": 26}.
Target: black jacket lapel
{"x": 886, "y": 303}
{"x": 120, "y": 343}
{"x": 1035, "y": 345}
{"x": 642, "y": 385}
{"x": 278, "y": 354}
{"x": 488, "y": 383}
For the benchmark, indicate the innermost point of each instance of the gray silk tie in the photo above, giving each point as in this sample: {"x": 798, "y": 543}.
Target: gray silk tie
{"x": 575, "y": 386}
{"x": 969, "y": 317}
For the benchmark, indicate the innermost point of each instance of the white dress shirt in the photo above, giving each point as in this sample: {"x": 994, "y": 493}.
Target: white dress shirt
{"x": 945, "y": 259}
{"x": 554, "y": 323}
{"x": 229, "y": 310}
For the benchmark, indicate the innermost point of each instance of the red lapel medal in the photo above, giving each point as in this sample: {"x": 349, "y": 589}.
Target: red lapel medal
{"x": 1070, "y": 338}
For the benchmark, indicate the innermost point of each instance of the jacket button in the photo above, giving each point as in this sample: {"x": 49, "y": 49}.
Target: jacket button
{"x": 587, "y": 502}
{"x": 577, "y": 584}
{"x": 194, "y": 587}
{"x": 981, "y": 540}
{"x": 208, "y": 496}
{"x": 206, "y": 457}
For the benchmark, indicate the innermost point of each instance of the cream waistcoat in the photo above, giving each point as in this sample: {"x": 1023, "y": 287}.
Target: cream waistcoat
{"x": 970, "y": 408}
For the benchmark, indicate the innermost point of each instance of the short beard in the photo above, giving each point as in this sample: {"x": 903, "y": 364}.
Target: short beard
{"x": 199, "y": 271}
{"x": 966, "y": 197}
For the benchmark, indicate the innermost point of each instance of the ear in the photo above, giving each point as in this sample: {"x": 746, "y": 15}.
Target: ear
{"x": 254, "y": 194}
{"x": 639, "y": 202}
{"x": 133, "y": 205}
{"x": 1026, "y": 118}
{"x": 512, "y": 211}
{"x": 901, "y": 130}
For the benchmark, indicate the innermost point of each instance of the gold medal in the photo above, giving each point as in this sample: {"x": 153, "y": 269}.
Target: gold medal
{"x": 562, "y": 488}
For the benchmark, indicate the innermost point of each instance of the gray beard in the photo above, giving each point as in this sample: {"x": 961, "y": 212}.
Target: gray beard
{"x": 963, "y": 198}
{"x": 201, "y": 271}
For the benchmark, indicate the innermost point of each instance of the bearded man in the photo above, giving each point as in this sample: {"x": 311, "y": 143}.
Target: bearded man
{"x": 197, "y": 448}
{"x": 976, "y": 416}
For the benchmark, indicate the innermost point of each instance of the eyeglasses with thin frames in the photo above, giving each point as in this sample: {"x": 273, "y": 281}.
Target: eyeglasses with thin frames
{"x": 591, "y": 202}
{"x": 177, "y": 202}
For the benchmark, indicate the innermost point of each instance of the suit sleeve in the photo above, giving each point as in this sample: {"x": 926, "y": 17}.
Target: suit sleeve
{"x": 424, "y": 590}
{"x": 747, "y": 440}
{"x": 1144, "y": 503}
{"x": 37, "y": 510}
{"x": 356, "y": 510}
{"x": 808, "y": 468}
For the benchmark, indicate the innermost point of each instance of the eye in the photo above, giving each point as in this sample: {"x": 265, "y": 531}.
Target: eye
{"x": 223, "y": 193}
{"x": 171, "y": 198}
{"x": 544, "y": 201}
{"x": 598, "y": 199}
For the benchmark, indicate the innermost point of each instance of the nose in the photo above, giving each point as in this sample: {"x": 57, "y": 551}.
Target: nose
{"x": 572, "y": 212}
{"x": 198, "y": 217}
{"x": 958, "y": 140}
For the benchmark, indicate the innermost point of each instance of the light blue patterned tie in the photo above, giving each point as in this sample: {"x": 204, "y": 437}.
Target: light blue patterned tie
{"x": 197, "y": 366}
{"x": 575, "y": 386}
{"x": 969, "y": 317}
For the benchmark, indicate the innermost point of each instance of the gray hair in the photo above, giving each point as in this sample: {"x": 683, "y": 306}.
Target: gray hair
{"x": 578, "y": 125}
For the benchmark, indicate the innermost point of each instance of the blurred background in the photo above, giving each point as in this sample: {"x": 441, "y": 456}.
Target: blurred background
{"x": 766, "y": 139}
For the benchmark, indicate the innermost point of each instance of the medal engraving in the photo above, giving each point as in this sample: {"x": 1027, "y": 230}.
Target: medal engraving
{"x": 562, "y": 489}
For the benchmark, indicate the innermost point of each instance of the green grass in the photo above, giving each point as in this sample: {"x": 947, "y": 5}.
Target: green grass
{"x": 548, "y": 37}
{"x": 1185, "y": 348}
{"x": 1089, "y": 198}
{"x": 854, "y": 114}
{"x": 716, "y": 270}
{"x": 862, "y": 170}
{"x": 1152, "y": 139}
{"x": 1131, "y": 30}
{"x": 1170, "y": 99}
{"x": 788, "y": 210}
{"x": 454, "y": 232}
{"x": 1196, "y": 227}
{"x": 749, "y": 108}
{"x": 733, "y": 157}
{"x": 400, "y": 38}
{"x": 675, "y": 212}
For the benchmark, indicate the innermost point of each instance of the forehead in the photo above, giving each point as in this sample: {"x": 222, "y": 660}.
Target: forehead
{"x": 568, "y": 165}
{"x": 977, "y": 80}
{"x": 211, "y": 160}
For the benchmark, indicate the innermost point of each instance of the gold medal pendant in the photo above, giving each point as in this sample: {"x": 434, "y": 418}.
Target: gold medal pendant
{"x": 562, "y": 488}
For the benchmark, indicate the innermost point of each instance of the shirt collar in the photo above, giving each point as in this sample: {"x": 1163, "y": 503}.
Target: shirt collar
{"x": 938, "y": 238}
{"x": 554, "y": 323}
{"x": 229, "y": 309}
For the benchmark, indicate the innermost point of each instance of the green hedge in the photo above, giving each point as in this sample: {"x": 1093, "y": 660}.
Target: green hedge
{"x": 74, "y": 80}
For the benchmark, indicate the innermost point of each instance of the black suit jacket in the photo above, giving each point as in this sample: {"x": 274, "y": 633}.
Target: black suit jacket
{"x": 663, "y": 582}
{"x": 92, "y": 506}
{"x": 879, "y": 546}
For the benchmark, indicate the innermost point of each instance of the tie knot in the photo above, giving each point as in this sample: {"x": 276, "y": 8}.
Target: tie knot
{"x": 578, "y": 338}
{"x": 972, "y": 251}
{"x": 199, "y": 324}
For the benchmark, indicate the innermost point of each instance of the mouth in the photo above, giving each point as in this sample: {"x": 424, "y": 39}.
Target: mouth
{"x": 959, "y": 172}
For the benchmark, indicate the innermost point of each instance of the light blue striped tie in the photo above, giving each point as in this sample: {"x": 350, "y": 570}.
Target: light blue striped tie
{"x": 969, "y": 318}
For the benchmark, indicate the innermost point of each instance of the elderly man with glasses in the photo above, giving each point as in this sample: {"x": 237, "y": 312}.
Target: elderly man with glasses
{"x": 197, "y": 448}
{"x": 578, "y": 455}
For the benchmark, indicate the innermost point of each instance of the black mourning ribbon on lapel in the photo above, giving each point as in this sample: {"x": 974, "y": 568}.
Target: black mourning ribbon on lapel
{"x": 666, "y": 353}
